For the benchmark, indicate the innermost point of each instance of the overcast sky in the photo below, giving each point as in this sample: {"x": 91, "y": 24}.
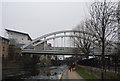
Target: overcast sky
{"x": 39, "y": 18}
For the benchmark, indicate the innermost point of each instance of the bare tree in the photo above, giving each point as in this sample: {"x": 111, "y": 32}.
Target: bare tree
{"x": 82, "y": 41}
{"x": 118, "y": 14}
{"x": 103, "y": 24}
{"x": 118, "y": 20}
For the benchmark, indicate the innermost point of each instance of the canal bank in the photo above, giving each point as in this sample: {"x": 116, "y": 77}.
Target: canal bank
{"x": 95, "y": 73}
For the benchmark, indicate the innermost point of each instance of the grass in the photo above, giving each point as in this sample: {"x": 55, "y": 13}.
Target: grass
{"x": 87, "y": 76}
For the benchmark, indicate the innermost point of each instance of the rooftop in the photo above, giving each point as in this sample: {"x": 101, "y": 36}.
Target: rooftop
{"x": 3, "y": 38}
{"x": 18, "y": 32}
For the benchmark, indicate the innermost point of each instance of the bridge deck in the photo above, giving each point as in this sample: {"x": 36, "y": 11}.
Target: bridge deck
{"x": 53, "y": 52}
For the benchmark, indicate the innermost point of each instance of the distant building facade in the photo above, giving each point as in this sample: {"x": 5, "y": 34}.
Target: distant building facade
{"x": 17, "y": 37}
{"x": 4, "y": 47}
{"x": 16, "y": 41}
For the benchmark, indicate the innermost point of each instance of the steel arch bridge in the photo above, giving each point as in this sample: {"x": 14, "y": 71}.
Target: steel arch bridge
{"x": 51, "y": 36}
{"x": 46, "y": 37}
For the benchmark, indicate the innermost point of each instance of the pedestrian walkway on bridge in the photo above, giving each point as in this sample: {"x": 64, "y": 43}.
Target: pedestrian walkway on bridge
{"x": 71, "y": 76}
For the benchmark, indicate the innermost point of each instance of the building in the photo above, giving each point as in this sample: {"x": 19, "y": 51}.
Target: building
{"x": 4, "y": 47}
{"x": 16, "y": 41}
{"x": 60, "y": 57}
{"x": 17, "y": 37}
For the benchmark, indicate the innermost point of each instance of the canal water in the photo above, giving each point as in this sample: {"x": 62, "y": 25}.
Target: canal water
{"x": 34, "y": 73}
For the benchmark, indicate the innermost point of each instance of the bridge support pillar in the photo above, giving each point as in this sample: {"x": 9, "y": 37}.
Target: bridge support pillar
{"x": 64, "y": 40}
{"x": 61, "y": 41}
{"x": 44, "y": 43}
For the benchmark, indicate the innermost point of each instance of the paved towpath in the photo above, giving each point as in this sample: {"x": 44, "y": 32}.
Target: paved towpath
{"x": 71, "y": 76}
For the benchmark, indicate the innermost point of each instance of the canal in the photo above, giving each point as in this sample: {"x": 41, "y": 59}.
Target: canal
{"x": 35, "y": 73}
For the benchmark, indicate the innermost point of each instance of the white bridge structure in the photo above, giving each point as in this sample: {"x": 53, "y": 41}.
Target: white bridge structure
{"x": 39, "y": 45}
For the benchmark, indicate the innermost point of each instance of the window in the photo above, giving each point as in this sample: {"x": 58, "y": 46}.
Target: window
{"x": 3, "y": 41}
{"x": 3, "y": 55}
{"x": 28, "y": 38}
{"x": 6, "y": 42}
{"x": 22, "y": 38}
{"x": 3, "y": 48}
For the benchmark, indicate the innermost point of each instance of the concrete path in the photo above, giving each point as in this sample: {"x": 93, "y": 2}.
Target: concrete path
{"x": 71, "y": 76}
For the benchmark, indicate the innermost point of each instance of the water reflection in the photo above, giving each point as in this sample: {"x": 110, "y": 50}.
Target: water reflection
{"x": 34, "y": 73}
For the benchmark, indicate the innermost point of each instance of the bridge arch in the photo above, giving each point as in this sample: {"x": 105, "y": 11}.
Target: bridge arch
{"x": 54, "y": 35}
